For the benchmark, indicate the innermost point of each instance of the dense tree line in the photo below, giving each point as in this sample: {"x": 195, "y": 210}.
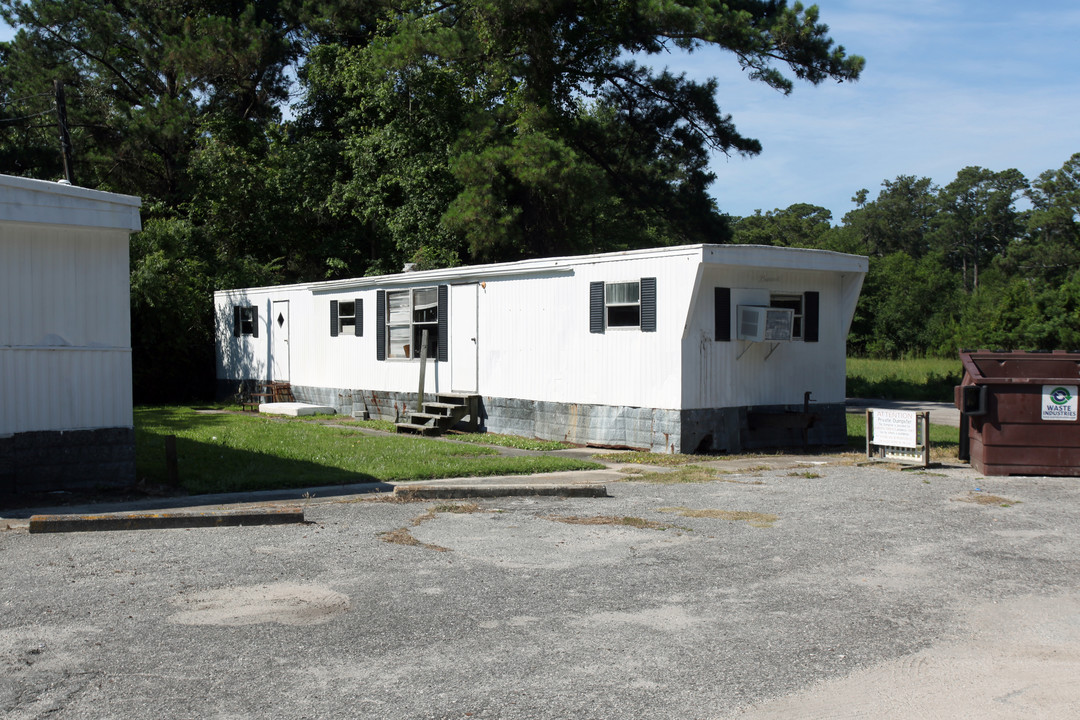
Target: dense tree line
{"x": 433, "y": 132}
{"x": 294, "y": 140}
{"x": 990, "y": 260}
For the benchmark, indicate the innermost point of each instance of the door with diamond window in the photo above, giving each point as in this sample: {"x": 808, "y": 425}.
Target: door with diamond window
{"x": 279, "y": 341}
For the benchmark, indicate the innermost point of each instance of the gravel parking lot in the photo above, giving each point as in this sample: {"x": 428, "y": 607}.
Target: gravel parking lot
{"x": 822, "y": 591}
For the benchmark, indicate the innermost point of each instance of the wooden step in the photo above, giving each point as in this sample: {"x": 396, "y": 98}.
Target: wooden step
{"x": 423, "y": 418}
{"x": 418, "y": 429}
{"x": 445, "y": 408}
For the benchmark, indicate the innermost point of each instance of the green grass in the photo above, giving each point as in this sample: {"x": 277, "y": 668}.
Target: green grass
{"x": 233, "y": 452}
{"x": 906, "y": 379}
{"x": 381, "y": 425}
{"x": 510, "y": 441}
{"x": 661, "y": 459}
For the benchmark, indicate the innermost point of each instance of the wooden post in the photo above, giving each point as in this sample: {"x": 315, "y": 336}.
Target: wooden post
{"x": 170, "y": 461}
{"x": 423, "y": 371}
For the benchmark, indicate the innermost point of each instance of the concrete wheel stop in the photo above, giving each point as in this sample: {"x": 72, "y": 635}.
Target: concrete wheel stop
{"x": 165, "y": 520}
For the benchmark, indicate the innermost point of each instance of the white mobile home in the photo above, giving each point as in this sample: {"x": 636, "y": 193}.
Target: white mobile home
{"x": 680, "y": 349}
{"x": 65, "y": 339}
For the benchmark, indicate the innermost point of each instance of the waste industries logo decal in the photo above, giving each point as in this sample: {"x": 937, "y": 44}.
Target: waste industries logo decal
{"x": 1059, "y": 402}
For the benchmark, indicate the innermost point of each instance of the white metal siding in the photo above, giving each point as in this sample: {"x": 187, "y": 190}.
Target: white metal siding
{"x": 64, "y": 389}
{"x": 740, "y": 373}
{"x": 535, "y": 341}
{"x": 65, "y": 339}
{"x": 533, "y": 334}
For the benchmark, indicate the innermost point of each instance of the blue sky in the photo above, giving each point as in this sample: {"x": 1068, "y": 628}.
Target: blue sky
{"x": 947, "y": 84}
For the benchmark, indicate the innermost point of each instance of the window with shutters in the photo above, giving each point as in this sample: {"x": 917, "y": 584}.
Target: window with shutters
{"x": 347, "y": 318}
{"x": 408, "y": 314}
{"x": 630, "y": 304}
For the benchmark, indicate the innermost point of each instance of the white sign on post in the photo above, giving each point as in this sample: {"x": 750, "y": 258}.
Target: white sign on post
{"x": 1059, "y": 402}
{"x": 895, "y": 428}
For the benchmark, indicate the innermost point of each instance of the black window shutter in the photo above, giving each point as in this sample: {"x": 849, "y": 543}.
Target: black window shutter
{"x": 254, "y": 321}
{"x": 359, "y": 305}
{"x": 333, "y": 318}
{"x": 722, "y": 312}
{"x": 648, "y": 304}
{"x": 380, "y": 325}
{"x": 236, "y": 321}
{"x": 811, "y": 313}
{"x": 596, "y": 307}
{"x": 444, "y": 323}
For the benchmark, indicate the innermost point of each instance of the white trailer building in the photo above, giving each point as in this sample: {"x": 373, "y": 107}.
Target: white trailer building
{"x": 65, "y": 336}
{"x": 680, "y": 349}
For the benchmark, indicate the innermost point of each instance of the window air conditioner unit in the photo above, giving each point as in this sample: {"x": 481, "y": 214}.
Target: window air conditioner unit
{"x": 764, "y": 324}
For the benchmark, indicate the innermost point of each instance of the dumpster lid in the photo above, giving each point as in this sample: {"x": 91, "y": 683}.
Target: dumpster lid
{"x": 1021, "y": 367}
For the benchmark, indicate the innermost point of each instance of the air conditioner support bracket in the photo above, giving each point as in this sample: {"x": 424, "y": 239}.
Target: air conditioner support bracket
{"x": 771, "y": 350}
{"x": 739, "y": 356}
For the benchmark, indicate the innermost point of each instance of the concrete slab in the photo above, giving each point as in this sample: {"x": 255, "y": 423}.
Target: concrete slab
{"x": 294, "y": 409}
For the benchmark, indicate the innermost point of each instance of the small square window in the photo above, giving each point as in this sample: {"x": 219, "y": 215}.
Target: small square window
{"x": 245, "y": 321}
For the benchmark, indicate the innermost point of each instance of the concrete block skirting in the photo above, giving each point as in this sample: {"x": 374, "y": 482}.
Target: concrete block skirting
{"x": 67, "y": 460}
{"x": 729, "y": 430}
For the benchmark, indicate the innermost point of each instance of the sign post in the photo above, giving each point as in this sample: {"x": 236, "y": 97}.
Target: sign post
{"x": 901, "y": 436}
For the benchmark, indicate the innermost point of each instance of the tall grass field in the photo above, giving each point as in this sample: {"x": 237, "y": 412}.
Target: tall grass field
{"x": 928, "y": 379}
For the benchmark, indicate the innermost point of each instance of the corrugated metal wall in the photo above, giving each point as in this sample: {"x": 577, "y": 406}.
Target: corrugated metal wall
{"x": 65, "y": 347}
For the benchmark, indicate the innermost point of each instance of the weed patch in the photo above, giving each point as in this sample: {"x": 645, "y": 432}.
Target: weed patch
{"x": 659, "y": 459}
{"x": 980, "y": 498}
{"x": 685, "y": 474}
{"x": 634, "y": 522}
{"x": 761, "y": 520}
{"x": 808, "y": 474}
{"x": 402, "y": 536}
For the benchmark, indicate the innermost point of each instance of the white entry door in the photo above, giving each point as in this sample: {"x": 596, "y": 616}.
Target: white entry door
{"x": 464, "y": 343}
{"x": 279, "y": 341}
